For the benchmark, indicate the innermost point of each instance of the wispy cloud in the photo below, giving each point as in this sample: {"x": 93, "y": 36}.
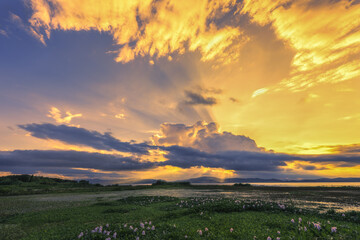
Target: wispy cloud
{"x": 325, "y": 36}
{"x": 4, "y": 33}
{"x": 194, "y": 98}
{"x": 56, "y": 114}
{"x": 147, "y": 28}
{"x": 28, "y": 29}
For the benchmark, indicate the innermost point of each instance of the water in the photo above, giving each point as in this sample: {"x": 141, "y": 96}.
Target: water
{"x": 294, "y": 184}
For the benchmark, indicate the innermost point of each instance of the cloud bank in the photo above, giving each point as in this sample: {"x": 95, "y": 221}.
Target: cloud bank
{"x": 84, "y": 137}
{"x": 203, "y": 136}
{"x": 182, "y": 146}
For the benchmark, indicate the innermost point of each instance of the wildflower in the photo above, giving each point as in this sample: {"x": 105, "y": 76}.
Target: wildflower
{"x": 277, "y": 238}
{"x": 292, "y": 220}
{"x": 80, "y": 235}
{"x": 300, "y": 220}
{"x": 186, "y": 236}
{"x": 143, "y": 233}
{"x": 114, "y": 236}
{"x": 135, "y": 229}
{"x": 174, "y": 226}
{"x": 107, "y": 238}
{"x": 206, "y": 229}
{"x": 131, "y": 227}
{"x": 333, "y": 229}
{"x": 125, "y": 225}
{"x": 278, "y": 232}
{"x": 150, "y": 223}
{"x": 305, "y": 229}
{"x": 317, "y": 225}
{"x": 200, "y": 232}
{"x": 148, "y": 228}
{"x": 268, "y": 238}
{"x": 137, "y": 238}
{"x": 153, "y": 228}
{"x": 107, "y": 225}
{"x": 343, "y": 214}
{"x": 142, "y": 225}
{"x": 231, "y": 230}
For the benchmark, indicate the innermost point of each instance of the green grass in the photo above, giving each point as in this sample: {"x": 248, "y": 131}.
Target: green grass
{"x": 173, "y": 218}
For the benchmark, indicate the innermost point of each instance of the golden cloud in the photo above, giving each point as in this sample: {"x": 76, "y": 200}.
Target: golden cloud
{"x": 146, "y": 27}
{"x": 56, "y": 114}
{"x": 324, "y": 34}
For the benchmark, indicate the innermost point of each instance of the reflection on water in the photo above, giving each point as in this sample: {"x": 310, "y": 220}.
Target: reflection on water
{"x": 273, "y": 196}
{"x": 294, "y": 184}
{"x": 311, "y": 184}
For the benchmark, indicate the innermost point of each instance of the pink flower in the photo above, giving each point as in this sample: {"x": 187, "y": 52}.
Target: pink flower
{"x": 305, "y": 229}
{"x": 300, "y": 220}
{"x": 268, "y": 238}
{"x": 135, "y": 229}
{"x": 206, "y": 229}
{"x": 153, "y": 228}
{"x": 200, "y": 232}
{"x": 333, "y": 229}
{"x": 292, "y": 220}
{"x": 80, "y": 235}
{"x": 277, "y": 238}
{"x": 143, "y": 233}
{"x": 131, "y": 227}
{"x": 278, "y": 232}
{"x": 150, "y": 223}
{"x": 142, "y": 225}
{"x": 114, "y": 236}
{"x": 231, "y": 230}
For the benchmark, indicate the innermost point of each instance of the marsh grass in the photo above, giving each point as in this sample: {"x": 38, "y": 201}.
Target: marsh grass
{"x": 176, "y": 218}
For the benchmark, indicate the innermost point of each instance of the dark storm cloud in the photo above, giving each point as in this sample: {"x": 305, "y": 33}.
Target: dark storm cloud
{"x": 82, "y": 136}
{"x": 198, "y": 99}
{"x": 179, "y": 156}
{"x": 37, "y": 159}
{"x": 248, "y": 161}
{"x": 232, "y": 160}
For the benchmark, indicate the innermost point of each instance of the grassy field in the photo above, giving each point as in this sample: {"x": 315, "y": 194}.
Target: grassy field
{"x": 199, "y": 212}
{"x": 171, "y": 218}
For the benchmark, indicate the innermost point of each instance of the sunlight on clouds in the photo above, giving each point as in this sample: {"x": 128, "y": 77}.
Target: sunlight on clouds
{"x": 330, "y": 170}
{"x": 259, "y": 92}
{"x": 325, "y": 35}
{"x": 146, "y": 27}
{"x": 171, "y": 173}
{"x": 56, "y": 114}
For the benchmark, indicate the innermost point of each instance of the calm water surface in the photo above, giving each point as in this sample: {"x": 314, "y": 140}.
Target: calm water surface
{"x": 295, "y": 184}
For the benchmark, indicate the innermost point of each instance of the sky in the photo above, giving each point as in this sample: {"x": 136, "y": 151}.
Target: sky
{"x": 122, "y": 91}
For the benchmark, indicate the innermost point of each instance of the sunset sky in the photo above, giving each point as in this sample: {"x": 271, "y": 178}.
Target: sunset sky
{"x": 122, "y": 90}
